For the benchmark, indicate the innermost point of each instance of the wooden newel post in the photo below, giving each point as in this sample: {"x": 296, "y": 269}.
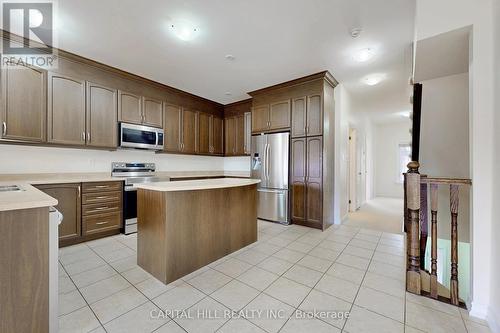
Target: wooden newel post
{"x": 413, "y": 281}
{"x": 454, "y": 244}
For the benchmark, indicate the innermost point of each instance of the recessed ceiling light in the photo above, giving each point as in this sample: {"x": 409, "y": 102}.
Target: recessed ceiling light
{"x": 184, "y": 30}
{"x": 373, "y": 79}
{"x": 355, "y": 32}
{"x": 228, "y": 93}
{"x": 230, "y": 57}
{"x": 364, "y": 55}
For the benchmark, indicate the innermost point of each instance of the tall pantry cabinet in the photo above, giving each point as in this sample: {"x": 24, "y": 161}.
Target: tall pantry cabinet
{"x": 304, "y": 107}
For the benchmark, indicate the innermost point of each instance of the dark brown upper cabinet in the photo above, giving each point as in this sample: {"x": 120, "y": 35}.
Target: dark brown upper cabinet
{"x": 172, "y": 127}
{"x": 271, "y": 117}
{"x": 217, "y": 138}
{"x": 204, "y": 135}
{"x": 240, "y": 135}
{"x": 189, "y": 135}
{"x": 66, "y": 110}
{"x": 130, "y": 108}
{"x": 24, "y": 108}
{"x": 152, "y": 112}
{"x": 307, "y": 116}
{"x": 234, "y": 129}
{"x": 102, "y": 112}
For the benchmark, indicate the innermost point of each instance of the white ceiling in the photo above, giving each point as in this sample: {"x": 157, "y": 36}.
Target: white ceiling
{"x": 272, "y": 41}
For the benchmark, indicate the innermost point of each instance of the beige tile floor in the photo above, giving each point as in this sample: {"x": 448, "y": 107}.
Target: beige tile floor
{"x": 292, "y": 272}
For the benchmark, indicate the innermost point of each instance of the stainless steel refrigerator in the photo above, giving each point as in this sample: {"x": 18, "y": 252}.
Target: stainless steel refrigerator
{"x": 270, "y": 164}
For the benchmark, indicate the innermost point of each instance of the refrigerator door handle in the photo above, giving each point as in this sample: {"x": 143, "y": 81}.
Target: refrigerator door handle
{"x": 268, "y": 148}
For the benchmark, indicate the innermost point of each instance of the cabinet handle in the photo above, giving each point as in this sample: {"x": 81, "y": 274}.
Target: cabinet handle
{"x": 101, "y": 186}
{"x": 4, "y": 128}
{"x": 79, "y": 191}
{"x": 101, "y": 223}
{"x": 83, "y": 136}
{"x": 88, "y": 136}
{"x": 101, "y": 208}
{"x": 98, "y": 198}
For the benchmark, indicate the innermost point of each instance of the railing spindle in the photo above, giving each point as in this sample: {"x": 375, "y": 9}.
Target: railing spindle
{"x": 434, "y": 208}
{"x": 413, "y": 280}
{"x": 454, "y": 244}
{"x": 424, "y": 230}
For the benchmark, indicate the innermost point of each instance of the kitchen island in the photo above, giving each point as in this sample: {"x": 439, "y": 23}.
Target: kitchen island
{"x": 185, "y": 225}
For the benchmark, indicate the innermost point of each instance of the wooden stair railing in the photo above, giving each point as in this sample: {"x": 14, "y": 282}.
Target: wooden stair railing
{"x": 418, "y": 280}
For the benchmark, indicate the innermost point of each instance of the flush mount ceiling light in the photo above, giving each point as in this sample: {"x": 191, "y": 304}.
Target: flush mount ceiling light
{"x": 184, "y": 30}
{"x": 230, "y": 57}
{"x": 364, "y": 55}
{"x": 373, "y": 79}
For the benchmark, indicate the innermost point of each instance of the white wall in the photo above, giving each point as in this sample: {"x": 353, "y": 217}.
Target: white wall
{"x": 444, "y": 144}
{"x": 342, "y": 110}
{"x": 494, "y": 309}
{"x": 29, "y": 159}
{"x": 386, "y": 140}
{"x": 435, "y": 17}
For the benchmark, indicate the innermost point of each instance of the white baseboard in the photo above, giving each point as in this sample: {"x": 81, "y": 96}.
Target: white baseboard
{"x": 478, "y": 310}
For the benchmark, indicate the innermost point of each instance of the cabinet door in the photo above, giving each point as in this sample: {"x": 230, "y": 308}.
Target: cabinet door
{"x": 299, "y": 117}
{"x": 172, "y": 128}
{"x": 279, "y": 115}
{"x": 129, "y": 108}
{"x": 218, "y": 136}
{"x": 24, "y": 107}
{"x": 204, "y": 146}
{"x": 314, "y": 180}
{"x": 102, "y": 110}
{"x": 230, "y": 136}
{"x": 240, "y": 135}
{"x": 69, "y": 204}
{"x": 260, "y": 118}
{"x": 248, "y": 133}
{"x": 66, "y": 110}
{"x": 153, "y": 112}
{"x": 298, "y": 180}
{"x": 189, "y": 131}
{"x": 314, "y": 115}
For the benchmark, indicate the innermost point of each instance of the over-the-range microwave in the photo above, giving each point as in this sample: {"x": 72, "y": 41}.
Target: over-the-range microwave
{"x": 142, "y": 137}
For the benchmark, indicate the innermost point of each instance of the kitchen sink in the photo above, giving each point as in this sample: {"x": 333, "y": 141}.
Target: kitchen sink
{"x": 10, "y": 188}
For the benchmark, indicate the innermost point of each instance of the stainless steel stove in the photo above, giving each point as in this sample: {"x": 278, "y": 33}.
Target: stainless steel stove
{"x": 133, "y": 173}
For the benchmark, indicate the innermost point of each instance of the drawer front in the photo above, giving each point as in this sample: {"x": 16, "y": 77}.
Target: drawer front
{"x": 101, "y": 222}
{"x": 101, "y": 197}
{"x": 101, "y": 208}
{"x": 101, "y": 187}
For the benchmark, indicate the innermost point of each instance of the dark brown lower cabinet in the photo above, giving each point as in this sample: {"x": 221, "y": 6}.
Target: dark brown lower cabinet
{"x": 307, "y": 181}
{"x": 69, "y": 204}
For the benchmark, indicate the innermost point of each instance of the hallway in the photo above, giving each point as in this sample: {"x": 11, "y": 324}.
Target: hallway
{"x": 382, "y": 214}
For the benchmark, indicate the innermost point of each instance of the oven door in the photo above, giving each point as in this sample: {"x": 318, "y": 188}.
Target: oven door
{"x": 130, "y": 209}
{"x": 137, "y": 136}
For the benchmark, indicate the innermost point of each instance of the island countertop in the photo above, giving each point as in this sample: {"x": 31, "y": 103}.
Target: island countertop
{"x": 28, "y": 197}
{"x": 193, "y": 185}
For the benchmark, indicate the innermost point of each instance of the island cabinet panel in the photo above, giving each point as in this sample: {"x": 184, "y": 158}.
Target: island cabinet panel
{"x": 260, "y": 118}
{"x": 172, "y": 128}
{"x": 314, "y": 181}
{"x": 130, "y": 108}
{"x": 299, "y": 117}
{"x": 217, "y": 139}
{"x": 182, "y": 231}
{"x": 204, "y": 134}
{"x": 314, "y": 115}
{"x": 69, "y": 204}
{"x": 24, "y": 276}
{"x": 152, "y": 112}
{"x": 102, "y": 110}
{"x": 189, "y": 144}
{"x": 66, "y": 110}
{"x": 298, "y": 180}
{"x": 24, "y": 108}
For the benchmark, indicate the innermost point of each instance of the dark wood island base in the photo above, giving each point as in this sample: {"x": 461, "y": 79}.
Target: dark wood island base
{"x": 180, "y": 231}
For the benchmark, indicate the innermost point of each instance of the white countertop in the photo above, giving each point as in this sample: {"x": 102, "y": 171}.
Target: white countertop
{"x": 29, "y": 197}
{"x": 193, "y": 185}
